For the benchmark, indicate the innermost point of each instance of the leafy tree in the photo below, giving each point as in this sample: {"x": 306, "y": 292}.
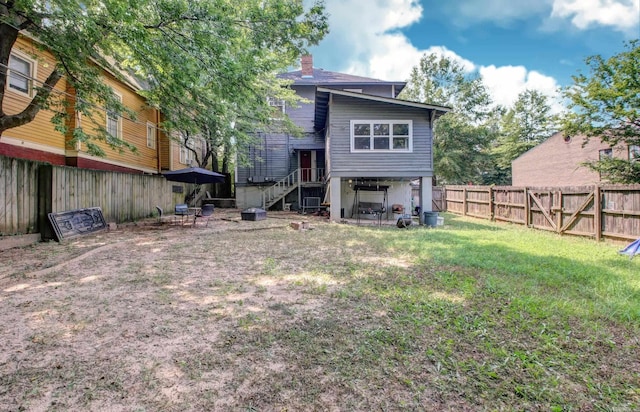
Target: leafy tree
{"x": 461, "y": 137}
{"x": 208, "y": 63}
{"x": 528, "y": 123}
{"x": 606, "y": 105}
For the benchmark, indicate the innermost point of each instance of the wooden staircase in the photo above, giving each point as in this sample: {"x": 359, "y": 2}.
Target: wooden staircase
{"x": 277, "y": 192}
{"x": 303, "y": 177}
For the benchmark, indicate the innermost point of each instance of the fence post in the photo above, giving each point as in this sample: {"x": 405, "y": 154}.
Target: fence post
{"x": 464, "y": 201}
{"x": 527, "y": 208}
{"x": 491, "y": 205}
{"x": 45, "y": 200}
{"x": 558, "y": 210}
{"x": 597, "y": 217}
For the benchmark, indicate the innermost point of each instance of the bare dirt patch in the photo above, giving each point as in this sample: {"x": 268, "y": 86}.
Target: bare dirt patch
{"x": 161, "y": 318}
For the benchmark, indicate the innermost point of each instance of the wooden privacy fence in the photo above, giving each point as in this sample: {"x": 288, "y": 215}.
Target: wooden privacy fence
{"x": 29, "y": 190}
{"x": 610, "y": 211}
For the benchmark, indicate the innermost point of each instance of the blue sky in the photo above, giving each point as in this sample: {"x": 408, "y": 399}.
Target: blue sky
{"x": 512, "y": 44}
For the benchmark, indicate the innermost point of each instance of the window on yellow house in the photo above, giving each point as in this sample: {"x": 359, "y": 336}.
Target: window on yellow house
{"x": 21, "y": 73}
{"x": 151, "y": 135}
{"x": 114, "y": 121}
{"x": 186, "y": 155}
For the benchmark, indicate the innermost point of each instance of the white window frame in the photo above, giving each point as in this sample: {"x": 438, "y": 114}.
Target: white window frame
{"x": 186, "y": 155}
{"x": 28, "y": 76}
{"x": 372, "y": 136}
{"x": 634, "y": 153}
{"x": 151, "y": 135}
{"x": 278, "y": 103}
{"x": 115, "y": 118}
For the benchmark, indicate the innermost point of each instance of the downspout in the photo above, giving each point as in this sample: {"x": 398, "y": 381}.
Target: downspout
{"x": 158, "y": 148}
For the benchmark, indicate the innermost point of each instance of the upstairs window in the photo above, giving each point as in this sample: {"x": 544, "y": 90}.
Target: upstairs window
{"x": 278, "y": 107}
{"x": 114, "y": 121}
{"x": 21, "y": 73}
{"x": 151, "y": 135}
{"x": 186, "y": 154}
{"x": 381, "y": 135}
{"x": 606, "y": 154}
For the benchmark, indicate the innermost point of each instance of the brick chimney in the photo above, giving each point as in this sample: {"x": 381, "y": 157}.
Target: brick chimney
{"x": 307, "y": 65}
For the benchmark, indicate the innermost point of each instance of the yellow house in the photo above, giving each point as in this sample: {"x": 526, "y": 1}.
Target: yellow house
{"x": 29, "y": 66}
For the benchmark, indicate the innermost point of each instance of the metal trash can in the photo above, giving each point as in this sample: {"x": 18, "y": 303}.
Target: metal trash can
{"x": 431, "y": 219}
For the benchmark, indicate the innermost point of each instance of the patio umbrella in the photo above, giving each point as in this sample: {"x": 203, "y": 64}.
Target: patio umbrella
{"x": 632, "y": 249}
{"x": 195, "y": 175}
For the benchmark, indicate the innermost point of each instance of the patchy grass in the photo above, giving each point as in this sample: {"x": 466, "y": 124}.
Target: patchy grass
{"x": 472, "y": 316}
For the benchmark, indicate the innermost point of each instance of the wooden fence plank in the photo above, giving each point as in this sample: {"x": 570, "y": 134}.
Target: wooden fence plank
{"x": 603, "y": 211}
{"x": 575, "y": 214}
{"x": 28, "y": 192}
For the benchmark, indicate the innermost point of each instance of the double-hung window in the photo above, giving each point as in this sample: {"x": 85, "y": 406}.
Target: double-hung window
{"x": 381, "y": 135}
{"x": 151, "y": 135}
{"x": 114, "y": 121}
{"x": 186, "y": 155}
{"x": 278, "y": 107}
{"x": 21, "y": 74}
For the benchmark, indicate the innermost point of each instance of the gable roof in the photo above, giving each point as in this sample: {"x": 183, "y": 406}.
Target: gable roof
{"x": 323, "y": 95}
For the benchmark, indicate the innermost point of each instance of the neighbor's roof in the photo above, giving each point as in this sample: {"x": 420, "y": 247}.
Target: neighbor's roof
{"x": 323, "y": 97}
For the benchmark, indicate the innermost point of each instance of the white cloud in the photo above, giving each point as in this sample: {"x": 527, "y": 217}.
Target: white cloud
{"x": 506, "y": 82}
{"x": 365, "y": 41}
{"x": 622, "y": 15}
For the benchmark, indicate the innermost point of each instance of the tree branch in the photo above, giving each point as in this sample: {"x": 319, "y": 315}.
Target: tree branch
{"x": 30, "y": 112}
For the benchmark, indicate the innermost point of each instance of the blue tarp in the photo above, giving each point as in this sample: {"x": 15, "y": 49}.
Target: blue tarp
{"x": 632, "y": 249}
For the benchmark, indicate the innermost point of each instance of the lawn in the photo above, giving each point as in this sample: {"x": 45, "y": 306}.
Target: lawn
{"x": 254, "y": 316}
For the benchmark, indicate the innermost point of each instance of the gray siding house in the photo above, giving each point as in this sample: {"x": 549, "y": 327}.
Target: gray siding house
{"x": 360, "y": 150}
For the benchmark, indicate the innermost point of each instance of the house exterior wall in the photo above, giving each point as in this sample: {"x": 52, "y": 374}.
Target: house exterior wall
{"x": 557, "y": 162}
{"x": 270, "y": 157}
{"x": 38, "y": 140}
{"x": 343, "y": 109}
{"x": 134, "y": 131}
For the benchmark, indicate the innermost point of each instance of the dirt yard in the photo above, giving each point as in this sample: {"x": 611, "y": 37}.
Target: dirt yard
{"x": 151, "y": 317}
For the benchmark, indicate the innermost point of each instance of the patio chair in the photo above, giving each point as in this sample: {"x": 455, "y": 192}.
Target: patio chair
{"x": 205, "y": 213}
{"x": 182, "y": 211}
{"x": 160, "y": 213}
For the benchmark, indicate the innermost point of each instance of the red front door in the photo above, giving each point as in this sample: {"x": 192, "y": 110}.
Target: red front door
{"x": 305, "y": 165}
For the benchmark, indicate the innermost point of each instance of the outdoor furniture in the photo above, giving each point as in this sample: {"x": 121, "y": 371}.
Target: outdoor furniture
{"x": 182, "y": 210}
{"x": 363, "y": 208}
{"x": 311, "y": 203}
{"x": 205, "y": 213}
{"x": 160, "y": 213}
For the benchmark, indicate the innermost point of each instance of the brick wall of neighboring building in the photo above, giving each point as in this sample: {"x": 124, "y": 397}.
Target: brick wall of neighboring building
{"x": 557, "y": 162}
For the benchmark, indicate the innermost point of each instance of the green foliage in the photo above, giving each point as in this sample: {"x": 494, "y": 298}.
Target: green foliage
{"x": 528, "y": 123}
{"x": 616, "y": 170}
{"x": 461, "y": 137}
{"x": 208, "y": 64}
{"x": 606, "y": 105}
